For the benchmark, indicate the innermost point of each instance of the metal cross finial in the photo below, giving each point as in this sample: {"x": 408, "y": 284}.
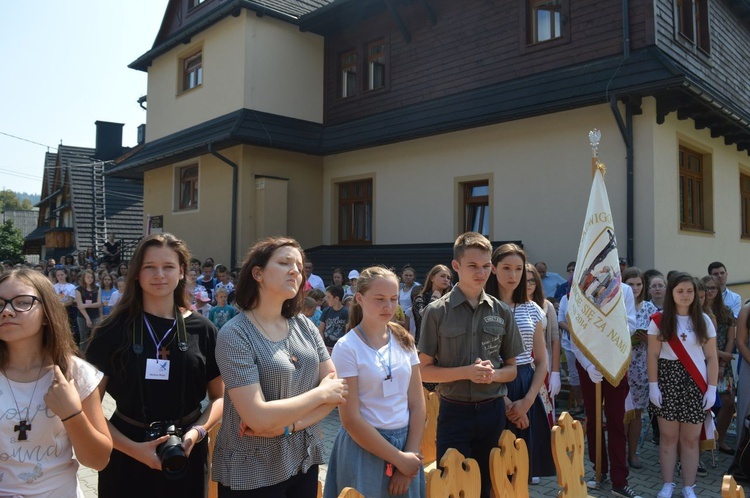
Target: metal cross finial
{"x": 595, "y": 137}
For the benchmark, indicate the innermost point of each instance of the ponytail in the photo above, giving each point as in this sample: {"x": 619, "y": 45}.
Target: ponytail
{"x": 404, "y": 338}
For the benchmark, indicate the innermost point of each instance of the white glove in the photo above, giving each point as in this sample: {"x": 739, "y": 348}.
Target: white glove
{"x": 594, "y": 374}
{"x": 554, "y": 384}
{"x": 709, "y": 398}
{"x": 654, "y": 394}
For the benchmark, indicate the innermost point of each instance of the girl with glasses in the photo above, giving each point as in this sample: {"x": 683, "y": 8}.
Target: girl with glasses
{"x": 49, "y": 394}
{"x": 657, "y": 287}
{"x": 535, "y": 293}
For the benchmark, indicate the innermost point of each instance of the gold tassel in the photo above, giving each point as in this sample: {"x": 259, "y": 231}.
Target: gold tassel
{"x": 708, "y": 445}
{"x": 630, "y": 415}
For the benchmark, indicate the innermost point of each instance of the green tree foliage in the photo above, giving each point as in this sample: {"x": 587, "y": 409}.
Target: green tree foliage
{"x": 9, "y": 202}
{"x": 11, "y": 242}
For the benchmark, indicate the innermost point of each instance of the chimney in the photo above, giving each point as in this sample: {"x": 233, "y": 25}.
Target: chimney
{"x": 141, "y": 134}
{"x": 108, "y": 140}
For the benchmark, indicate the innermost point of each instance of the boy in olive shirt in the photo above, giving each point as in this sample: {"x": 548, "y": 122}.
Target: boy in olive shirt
{"x": 468, "y": 344}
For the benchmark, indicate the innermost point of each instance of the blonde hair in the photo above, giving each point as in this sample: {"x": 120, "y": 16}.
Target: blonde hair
{"x": 366, "y": 278}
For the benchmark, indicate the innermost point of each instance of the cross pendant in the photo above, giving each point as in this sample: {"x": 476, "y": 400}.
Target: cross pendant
{"x": 21, "y": 428}
{"x": 164, "y": 353}
{"x": 684, "y": 336}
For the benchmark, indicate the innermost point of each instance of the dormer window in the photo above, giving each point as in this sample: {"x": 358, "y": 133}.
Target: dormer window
{"x": 348, "y": 73}
{"x": 192, "y": 71}
{"x": 376, "y": 65}
{"x": 544, "y": 20}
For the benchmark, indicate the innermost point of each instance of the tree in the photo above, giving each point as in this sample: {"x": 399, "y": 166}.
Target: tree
{"x": 11, "y": 242}
{"x": 9, "y": 202}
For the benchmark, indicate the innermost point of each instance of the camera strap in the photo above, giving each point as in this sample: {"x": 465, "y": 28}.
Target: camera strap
{"x": 140, "y": 362}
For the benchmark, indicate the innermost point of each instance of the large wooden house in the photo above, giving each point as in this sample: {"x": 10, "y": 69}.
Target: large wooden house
{"x": 80, "y": 205}
{"x": 399, "y": 122}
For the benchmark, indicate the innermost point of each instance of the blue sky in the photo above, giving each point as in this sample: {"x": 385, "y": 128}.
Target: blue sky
{"x": 65, "y": 67}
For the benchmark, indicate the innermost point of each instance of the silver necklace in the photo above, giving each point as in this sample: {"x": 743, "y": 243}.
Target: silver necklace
{"x": 24, "y": 424}
{"x": 288, "y": 349}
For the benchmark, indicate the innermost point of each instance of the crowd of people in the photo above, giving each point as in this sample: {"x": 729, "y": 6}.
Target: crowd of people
{"x": 270, "y": 350}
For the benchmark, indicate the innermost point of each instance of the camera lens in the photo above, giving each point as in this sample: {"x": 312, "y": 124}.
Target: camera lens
{"x": 174, "y": 462}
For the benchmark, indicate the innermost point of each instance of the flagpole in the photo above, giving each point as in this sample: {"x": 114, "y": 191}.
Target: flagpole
{"x": 598, "y": 385}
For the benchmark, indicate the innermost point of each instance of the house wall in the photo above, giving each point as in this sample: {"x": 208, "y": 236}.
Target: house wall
{"x": 241, "y": 69}
{"x": 728, "y": 65}
{"x": 304, "y": 194}
{"x": 698, "y": 249}
{"x": 540, "y": 177}
{"x": 474, "y": 43}
{"x": 207, "y": 230}
{"x": 222, "y": 91}
{"x": 284, "y": 69}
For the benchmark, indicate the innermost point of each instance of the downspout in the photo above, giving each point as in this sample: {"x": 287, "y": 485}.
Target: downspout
{"x": 626, "y": 130}
{"x": 235, "y": 179}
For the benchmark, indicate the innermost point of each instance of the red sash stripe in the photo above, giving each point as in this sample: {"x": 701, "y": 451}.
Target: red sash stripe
{"x": 683, "y": 356}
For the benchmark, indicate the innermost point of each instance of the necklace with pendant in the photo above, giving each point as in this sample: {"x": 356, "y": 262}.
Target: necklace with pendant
{"x": 292, "y": 357}
{"x": 24, "y": 424}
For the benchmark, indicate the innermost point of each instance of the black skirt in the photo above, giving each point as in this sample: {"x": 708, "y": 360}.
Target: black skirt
{"x": 682, "y": 400}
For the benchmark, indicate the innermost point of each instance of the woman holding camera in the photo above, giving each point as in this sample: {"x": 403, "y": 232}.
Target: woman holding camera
{"x": 280, "y": 382}
{"x": 158, "y": 362}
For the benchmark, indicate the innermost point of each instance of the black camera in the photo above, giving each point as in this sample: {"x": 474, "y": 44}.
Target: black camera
{"x": 174, "y": 462}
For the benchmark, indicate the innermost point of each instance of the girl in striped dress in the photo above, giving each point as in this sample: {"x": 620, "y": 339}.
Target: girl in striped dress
{"x": 526, "y": 411}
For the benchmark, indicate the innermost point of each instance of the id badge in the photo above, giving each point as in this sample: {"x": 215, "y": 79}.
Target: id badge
{"x": 389, "y": 387}
{"x": 157, "y": 369}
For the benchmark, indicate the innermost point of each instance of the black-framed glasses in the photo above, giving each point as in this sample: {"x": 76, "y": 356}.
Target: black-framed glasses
{"x": 20, "y": 304}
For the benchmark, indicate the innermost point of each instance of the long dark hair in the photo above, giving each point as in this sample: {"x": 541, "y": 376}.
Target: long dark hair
{"x": 426, "y": 289}
{"x": 247, "y": 292}
{"x": 635, "y": 272}
{"x": 669, "y": 315}
{"x": 538, "y": 295}
{"x": 129, "y": 308}
{"x": 366, "y": 277}
{"x": 721, "y": 311}
{"x": 493, "y": 288}
{"x": 57, "y": 338}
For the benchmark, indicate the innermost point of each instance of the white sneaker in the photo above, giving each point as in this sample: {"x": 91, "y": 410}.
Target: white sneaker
{"x": 689, "y": 492}
{"x": 666, "y": 490}
{"x": 592, "y": 484}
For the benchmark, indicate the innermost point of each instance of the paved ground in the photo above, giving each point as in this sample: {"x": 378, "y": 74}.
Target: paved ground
{"x": 646, "y": 481}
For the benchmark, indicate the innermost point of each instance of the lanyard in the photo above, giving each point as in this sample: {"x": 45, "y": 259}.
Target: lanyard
{"x": 153, "y": 336}
{"x": 182, "y": 343}
{"x": 389, "y": 370}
